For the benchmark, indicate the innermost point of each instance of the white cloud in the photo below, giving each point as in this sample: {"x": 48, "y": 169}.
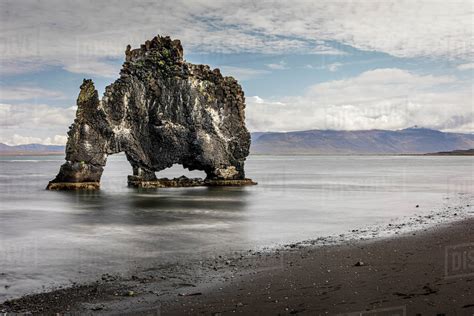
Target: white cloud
{"x": 25, "y": 115}
{"x": 55, "y": 140}
{"x": 467, "y": 66}
{"x": 381, "y": 98}
{"x": 72, "y": 35}
{"x": 93, "y": 67}
{"x": 278, "y": 66}
{"x": 34, "y": 123}
{"x": 22, "y": 140}
{"x": 11, "y": 66}
{"x": 384, "y": 83}
{"x": 10, "y": 93}
{"x": 258, "y": 100}
{"x": 241, "y": 73}
{"x": 334, "y": 66}
{"x": 322, "y": 49}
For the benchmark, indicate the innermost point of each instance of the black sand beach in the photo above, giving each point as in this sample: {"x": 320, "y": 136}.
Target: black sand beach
{"x": 411, "y": 273}
{"x": 429, "y": 271}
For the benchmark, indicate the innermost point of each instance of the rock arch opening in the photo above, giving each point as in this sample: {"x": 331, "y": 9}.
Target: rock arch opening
{"x": 115, "y": 173}
{"x": 177, "y": 171}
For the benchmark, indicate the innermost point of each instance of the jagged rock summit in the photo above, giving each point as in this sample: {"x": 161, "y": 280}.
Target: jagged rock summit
{"x": 161, "y": 111}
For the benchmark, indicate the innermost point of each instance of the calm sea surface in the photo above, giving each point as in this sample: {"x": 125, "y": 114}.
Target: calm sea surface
{"x": 50, "y": 238}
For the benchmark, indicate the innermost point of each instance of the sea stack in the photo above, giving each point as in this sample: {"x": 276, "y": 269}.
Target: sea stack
{"x": 161, "y": 111}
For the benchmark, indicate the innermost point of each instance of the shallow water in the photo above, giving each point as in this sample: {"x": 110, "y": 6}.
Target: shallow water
{"x": 51, "y": 238}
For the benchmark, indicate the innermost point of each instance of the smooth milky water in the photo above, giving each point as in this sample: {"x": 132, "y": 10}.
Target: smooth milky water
{"x": 51, "y": 238}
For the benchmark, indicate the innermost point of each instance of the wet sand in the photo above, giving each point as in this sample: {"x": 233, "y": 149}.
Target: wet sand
{"x": 408, "y": 273}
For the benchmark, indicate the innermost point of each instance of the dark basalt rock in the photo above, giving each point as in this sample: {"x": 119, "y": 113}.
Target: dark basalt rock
{"x": 161, "y": 111}
{"x": 186, "y": 182}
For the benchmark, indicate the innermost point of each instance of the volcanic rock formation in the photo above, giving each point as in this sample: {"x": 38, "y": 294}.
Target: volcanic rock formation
{"x": 161, "y": 111}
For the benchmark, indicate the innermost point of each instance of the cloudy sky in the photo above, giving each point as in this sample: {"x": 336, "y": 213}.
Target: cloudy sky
{"x": 303, "y": 64}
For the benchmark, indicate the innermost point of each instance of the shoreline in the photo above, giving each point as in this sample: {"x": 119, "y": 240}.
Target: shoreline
{"x": 211, "y": 284}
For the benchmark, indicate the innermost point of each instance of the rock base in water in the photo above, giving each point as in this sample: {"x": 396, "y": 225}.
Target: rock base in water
{"x": 72, "y": 186}
{"x": 183, "y": 182}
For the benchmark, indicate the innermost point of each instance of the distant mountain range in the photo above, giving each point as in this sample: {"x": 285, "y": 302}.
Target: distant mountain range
{"x": 30, "y": 149}
{"x": 406, "y": 141}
